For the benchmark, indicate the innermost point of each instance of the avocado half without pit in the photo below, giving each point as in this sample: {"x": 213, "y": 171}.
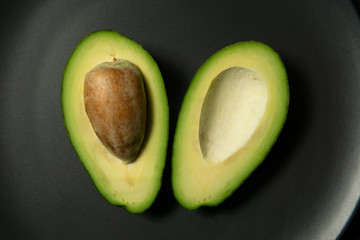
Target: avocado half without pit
{"x": 116, "y": 113}
{"x": 231, "y": 116}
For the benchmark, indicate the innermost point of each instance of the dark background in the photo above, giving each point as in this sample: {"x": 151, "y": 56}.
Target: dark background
{"x": 308, "y": 186}
{"x": 352, "y": 230}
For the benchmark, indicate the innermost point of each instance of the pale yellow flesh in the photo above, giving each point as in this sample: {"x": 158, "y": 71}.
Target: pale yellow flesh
{"x": 122, "y": 183}
{"x": 232, "y": 110}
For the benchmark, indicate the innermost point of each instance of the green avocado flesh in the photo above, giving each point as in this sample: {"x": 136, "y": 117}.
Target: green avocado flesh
{"x": 230, "y": 118}
{"x": 132, "y": 185}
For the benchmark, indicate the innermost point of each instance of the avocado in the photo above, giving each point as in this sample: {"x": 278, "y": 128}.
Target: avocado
{"x": 115, "y": 110}
{"x": 231, "y": 116}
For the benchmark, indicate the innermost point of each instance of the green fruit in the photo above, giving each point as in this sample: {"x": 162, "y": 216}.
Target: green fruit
{"x": 121, "y": 135}
{"x": 231, "y": 116}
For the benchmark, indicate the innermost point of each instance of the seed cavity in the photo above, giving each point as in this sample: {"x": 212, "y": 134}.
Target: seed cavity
{"x": 233, "y": 107}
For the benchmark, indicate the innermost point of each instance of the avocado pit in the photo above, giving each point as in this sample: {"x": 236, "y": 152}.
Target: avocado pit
{"x": 233, "y": 107}
{"x": 116, "y": 105}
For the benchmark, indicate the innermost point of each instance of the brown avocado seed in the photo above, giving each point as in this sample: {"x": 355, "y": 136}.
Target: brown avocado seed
{"x": 115, "y": 102}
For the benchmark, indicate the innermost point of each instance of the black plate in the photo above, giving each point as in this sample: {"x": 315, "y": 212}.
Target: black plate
{"x": 307, "y": 188}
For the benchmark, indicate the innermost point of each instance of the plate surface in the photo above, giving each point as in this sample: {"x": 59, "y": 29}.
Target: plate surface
{"x": 308, "y": 186}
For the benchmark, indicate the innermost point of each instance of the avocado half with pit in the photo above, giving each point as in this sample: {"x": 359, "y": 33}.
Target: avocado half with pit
{"x": 116, "y": 113}
{"x": 231, "y": 116}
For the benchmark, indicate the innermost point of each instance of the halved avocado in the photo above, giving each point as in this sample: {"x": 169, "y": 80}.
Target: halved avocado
{"x": 231, "y": 116}
{"x": 133, "y": 184}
